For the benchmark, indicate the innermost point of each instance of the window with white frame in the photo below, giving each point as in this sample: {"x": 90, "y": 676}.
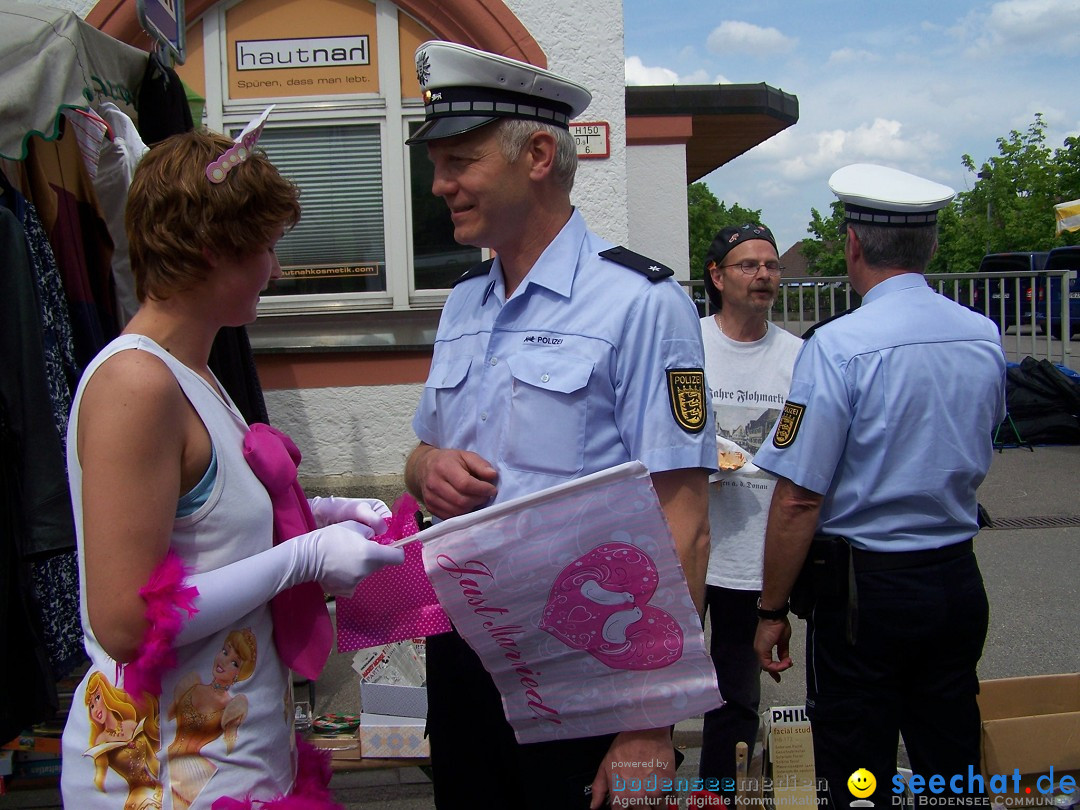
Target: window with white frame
{"x": 371, "y": 235}
{"x": 339, "y": 245}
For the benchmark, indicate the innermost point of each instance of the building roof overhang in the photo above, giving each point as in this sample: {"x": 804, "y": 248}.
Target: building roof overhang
{"x": 716, "y": 122}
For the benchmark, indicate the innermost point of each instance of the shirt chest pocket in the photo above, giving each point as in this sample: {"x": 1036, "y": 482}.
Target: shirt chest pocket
{"x": 548, "y": 409}
{"x": 444, "y": 382}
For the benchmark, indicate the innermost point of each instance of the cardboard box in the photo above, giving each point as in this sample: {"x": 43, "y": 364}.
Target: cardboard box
{"x": 340, "y": 746}
{"x": 1030, "y": 727}
{"x": 393, "y": 699}
{"x": 790, "y": 754}
{"x": 386, "y": 736}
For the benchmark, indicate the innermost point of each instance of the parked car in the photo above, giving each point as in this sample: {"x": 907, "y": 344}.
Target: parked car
{"x": 988, "y": 295}
{"x": 1062, "y": 258}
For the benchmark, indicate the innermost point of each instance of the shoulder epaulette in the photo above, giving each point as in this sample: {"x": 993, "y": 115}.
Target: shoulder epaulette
{"x": 651, "y": 269}
{"x": 806, "y": 335}
{"x": 481, "y": 269}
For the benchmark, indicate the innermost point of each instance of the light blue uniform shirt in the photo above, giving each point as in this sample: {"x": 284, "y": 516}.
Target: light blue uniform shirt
{"x": 900, "y": 399}
{"x": 570, "y": 375}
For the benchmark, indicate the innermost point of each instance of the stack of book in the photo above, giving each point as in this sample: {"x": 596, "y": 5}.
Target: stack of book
{"x": 32, "y": 759}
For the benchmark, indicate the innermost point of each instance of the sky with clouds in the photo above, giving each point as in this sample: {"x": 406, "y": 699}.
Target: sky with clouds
{"x": 913, "y": 84}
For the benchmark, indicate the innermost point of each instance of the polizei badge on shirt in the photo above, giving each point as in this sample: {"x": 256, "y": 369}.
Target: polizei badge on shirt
{"x": 686, "y": 391}
{"x": 787, "y": 426}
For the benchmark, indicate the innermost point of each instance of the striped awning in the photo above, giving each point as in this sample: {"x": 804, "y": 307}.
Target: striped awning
{"x": 1067, "y": 215}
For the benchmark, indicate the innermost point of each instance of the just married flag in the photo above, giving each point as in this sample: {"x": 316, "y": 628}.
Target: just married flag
{"x": 575, "y": 601}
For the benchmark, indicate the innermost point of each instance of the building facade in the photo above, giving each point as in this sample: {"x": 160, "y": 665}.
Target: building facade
{"x": 343, "y": 342}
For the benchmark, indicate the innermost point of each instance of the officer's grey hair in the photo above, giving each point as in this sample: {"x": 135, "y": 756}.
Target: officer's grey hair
{"x": 514, "y": 133}
{"x": 906, "y": 248}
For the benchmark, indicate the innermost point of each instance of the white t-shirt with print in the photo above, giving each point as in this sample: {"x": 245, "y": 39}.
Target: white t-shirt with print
{"x": 748, "y": 383}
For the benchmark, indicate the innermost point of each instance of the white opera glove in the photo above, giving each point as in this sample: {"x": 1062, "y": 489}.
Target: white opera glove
{"x": 369, "y": 511}
{"x": 337, "y": 557}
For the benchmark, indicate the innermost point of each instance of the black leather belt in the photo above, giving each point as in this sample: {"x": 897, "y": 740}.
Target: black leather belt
{"x": 894, "y": 560}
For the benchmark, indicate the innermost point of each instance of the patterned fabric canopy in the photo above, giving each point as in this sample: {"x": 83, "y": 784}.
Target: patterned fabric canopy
{"x": 51, "y": 60}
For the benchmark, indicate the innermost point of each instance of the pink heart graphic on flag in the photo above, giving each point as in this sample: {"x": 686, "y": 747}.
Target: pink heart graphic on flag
{"x": 599, "y": 603}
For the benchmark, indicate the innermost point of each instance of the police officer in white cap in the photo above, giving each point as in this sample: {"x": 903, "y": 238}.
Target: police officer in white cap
{"x": 560, "y": 357}
{"x": 884, "y": 438}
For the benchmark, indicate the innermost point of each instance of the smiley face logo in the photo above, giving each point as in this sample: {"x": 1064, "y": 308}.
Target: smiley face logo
{"x": 861, "y": 783}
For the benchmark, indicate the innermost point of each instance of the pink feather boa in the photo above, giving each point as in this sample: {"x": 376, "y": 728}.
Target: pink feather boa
{"x": 310, "y": 791}
{"x": 166, "y": 598}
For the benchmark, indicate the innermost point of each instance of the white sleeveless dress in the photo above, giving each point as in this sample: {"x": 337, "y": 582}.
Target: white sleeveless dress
{"x": 202, "y": 740}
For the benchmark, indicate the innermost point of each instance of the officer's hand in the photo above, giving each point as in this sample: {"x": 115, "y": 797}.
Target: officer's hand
{"x": 454, "y": 482}
{"x": 773, "y": 633}
{"x": 635, "y": 758}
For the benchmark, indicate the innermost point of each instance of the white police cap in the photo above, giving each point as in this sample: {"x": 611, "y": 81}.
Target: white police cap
{"x": 465, "y": 88}
{"x": 878, "y": 195}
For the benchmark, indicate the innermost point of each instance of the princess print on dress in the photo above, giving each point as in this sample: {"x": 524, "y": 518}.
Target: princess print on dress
{"x": 206, "y": 711}
{"x": 126, "y": 739}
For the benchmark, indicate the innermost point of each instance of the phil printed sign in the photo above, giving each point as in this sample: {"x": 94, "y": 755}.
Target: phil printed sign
{"x": 575, "y": 601}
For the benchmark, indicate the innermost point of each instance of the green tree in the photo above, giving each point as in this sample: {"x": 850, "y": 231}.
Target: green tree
{"x": 706, "y": 215}
{"x": 824, "y": 252}
{"x": 1010, "y": 207}
{"x": 1068, "y": 160}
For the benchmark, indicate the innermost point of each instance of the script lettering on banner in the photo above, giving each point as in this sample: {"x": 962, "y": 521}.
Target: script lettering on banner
{"x": 575, "y": 600}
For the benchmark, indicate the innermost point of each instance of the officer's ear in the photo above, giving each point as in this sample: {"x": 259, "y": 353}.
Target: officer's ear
{"x": 540, "y": 151}
{"x": 852, "y": 246}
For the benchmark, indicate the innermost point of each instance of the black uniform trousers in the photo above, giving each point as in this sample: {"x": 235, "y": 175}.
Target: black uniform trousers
{"x": 911, "y": 670}
{"x": 476, "y": 761}
{"x": 733, "y": 619}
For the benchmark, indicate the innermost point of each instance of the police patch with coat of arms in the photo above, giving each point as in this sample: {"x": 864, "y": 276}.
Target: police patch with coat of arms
{"x": 787, "y": 426}
{"x": 686, "y": 392}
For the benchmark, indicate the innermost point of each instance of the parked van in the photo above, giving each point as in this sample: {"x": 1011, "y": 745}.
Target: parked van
{"x": 1062, "y": 258}
{"x": 988, "y": 296}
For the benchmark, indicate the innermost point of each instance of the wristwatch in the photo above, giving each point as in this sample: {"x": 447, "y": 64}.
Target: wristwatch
{"x": 775, "y": 615}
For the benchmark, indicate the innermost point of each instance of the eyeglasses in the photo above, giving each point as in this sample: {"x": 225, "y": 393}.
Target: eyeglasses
{"x": 750, "y": 268}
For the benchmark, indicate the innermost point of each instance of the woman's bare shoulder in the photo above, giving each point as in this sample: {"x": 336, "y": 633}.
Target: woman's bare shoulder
{"x": 133, "y": 382}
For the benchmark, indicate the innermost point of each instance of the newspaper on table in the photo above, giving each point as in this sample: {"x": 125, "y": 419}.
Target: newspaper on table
{"x": 399, "y": 664}
{"x": 575, "y": 601}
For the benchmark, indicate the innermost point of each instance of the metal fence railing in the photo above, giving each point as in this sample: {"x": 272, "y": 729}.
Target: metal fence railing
{"x": 1032, "y": 310}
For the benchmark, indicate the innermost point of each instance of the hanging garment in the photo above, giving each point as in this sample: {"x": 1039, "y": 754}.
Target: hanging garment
{"x": 46, "y": 506}
{"x": 54, "y": 582}
{"x": 61, "y": 371}
{"x": 163, "y": 107}
{"x": 33, "y": 507}
{"x": 116, "y": 164}
{"x": 91, "y": 130}
{"x": 55, "y": 180}
{"x": 54, "y": 588}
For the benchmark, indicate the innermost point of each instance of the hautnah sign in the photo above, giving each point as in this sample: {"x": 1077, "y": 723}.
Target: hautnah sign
{"x": 307, "y": 52}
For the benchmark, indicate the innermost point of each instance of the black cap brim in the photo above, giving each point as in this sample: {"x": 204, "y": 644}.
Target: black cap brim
{"x": 449, "y": 126}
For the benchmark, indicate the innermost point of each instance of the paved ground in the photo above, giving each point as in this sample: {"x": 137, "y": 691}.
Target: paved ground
{"x": 1031, "y": 578}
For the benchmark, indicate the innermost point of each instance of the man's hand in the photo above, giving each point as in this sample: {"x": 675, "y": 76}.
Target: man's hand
{"x": 450, "y": 482}
{"x": 773, "y": 633}
{"x": 637, "y": 756}
{"x": 793, "y": 519}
